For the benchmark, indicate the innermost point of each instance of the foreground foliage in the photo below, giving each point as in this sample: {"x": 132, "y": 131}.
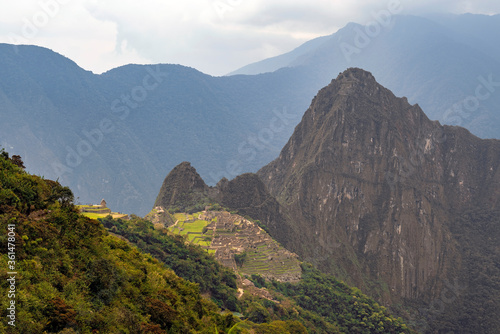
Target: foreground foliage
{"x": 73, "y": 276}
{"x": 189, "y": 262}
{"x": 338, "y": 303}
{"x": 319, "y": 302}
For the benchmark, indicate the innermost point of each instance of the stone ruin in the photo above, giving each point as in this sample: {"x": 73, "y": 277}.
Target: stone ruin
{"x": 233, "y": 234}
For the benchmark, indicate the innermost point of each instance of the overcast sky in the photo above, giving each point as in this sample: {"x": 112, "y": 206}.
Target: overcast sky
{"x": 214, "y": 37}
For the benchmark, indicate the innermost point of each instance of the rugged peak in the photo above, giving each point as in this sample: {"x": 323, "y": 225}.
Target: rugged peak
{"x": 185, "y": 172}
{"x": 183, "y": 187}
{"x": 356, "y": 92}
{"x": 355, "y": 74}
{"x": 353, "y": 81}
{"x": 373, "y": 189}
{"x": 354, "y": 111}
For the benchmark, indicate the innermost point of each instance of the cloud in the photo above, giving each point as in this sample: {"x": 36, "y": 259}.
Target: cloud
{"x": 214, "y": 36}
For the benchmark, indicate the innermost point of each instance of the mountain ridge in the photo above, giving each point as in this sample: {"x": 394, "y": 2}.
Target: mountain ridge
{"x": 421, "y": 58}
{"x": 99, "y": 133}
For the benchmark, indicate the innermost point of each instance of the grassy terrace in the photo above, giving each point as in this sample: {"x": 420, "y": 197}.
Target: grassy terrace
{"x": 264, "y": 259}
{"x": 191, "y": 226}
{"x": 97, "y": 212}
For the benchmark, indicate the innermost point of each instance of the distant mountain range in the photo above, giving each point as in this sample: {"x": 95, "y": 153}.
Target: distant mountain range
{"x": 448, "y": 64}
{"x": 115, "y": 135}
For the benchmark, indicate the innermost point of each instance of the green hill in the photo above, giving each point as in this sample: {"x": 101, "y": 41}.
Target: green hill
{"x": 73, "y": 277}
{"x": 318, "y": 301}
{"x": 65, "y": 273}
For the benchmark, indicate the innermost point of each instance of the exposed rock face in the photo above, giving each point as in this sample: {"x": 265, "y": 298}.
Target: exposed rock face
{"x": 248, "y": 194}
{"x": 183, "y": 187}
{"x": 373, "y": 187}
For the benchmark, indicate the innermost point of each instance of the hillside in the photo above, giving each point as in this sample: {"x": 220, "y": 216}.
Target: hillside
{"x": 65, "y": 273}
{"x": 72, "y": 276}
{"x": 394, "y": 203}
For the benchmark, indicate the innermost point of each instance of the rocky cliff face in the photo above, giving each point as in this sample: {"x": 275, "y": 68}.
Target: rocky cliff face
{"x": 249, "y": 196}
{"x": 183, "y": 188}
{"x": 374, "y": 187}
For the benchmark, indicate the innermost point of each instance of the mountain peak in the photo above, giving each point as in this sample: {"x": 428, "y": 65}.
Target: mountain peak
{"x": 368, "y": 181}
{"x": 183, "y": 187}
{"x": 354, "y": 98}
{"x": 357, "y": 83}
{"x": 355, "y": 74}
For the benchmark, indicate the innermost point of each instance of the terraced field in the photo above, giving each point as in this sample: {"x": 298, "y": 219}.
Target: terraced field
{"x": 95, "y": 213}
{"x": 192, "y": 227}
{"x": 224, "y": 235}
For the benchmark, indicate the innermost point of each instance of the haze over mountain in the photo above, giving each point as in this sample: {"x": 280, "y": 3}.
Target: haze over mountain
{"x": 115, "y": 135}
{"x": 449, "y": 64}
{"x": 394, "y": 203}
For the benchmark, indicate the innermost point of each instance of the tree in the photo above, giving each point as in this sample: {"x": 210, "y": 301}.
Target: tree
{"x": 16, "y": 160}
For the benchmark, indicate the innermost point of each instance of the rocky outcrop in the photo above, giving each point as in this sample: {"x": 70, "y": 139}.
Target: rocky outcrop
{"x": 183, "y": 188}
{"x": 374, "y": 187}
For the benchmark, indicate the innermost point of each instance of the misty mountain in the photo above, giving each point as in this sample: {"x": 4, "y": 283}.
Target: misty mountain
{"x": 115, "y": 135}
{"x": 449, "y": 64}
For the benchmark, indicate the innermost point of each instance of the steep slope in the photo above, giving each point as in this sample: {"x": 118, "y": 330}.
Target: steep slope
{"x": 438, "y": 63}
{"x": 374, "y": 187}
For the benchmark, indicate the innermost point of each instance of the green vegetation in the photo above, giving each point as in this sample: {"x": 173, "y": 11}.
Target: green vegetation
{"x": 193, "y": 228}
{"x": 240, "y": 258}
{"x": 188, "y": 261}
{"x": 195, "y": 264}
{"x": 338, "y": 303}
{"x": 319, "y": 302}
{"x": 74, "y": 277}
